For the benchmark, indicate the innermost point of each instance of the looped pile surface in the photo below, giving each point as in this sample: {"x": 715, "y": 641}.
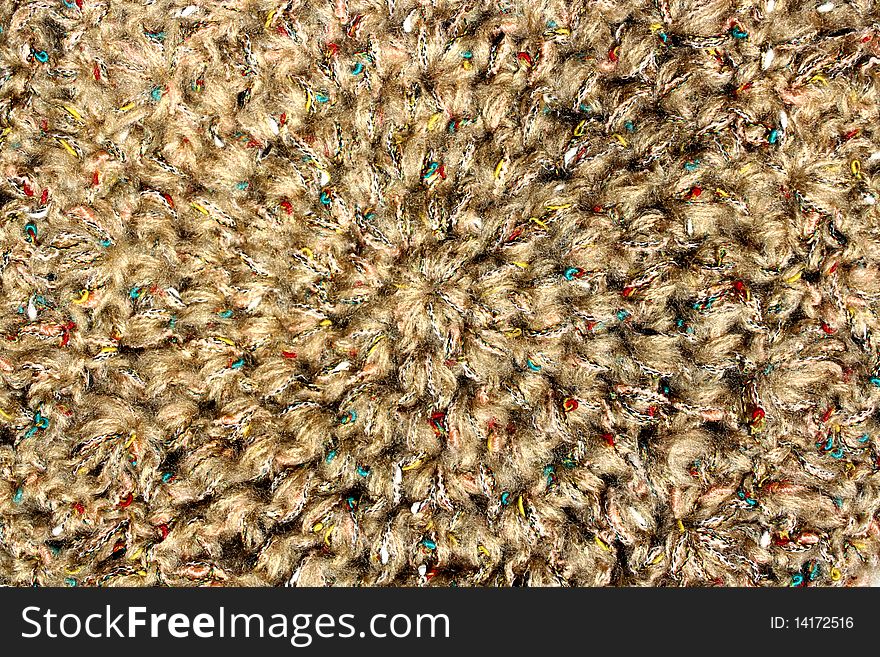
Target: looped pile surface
{"x": 438, "y": 293}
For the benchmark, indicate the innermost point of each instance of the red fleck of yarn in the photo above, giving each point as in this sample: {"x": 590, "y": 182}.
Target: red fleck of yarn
{"x": 597, "y": 208}
{"x": 283, "y": 118}
{"x": 652, "y": 410}
{"x": 163, "y": 528}
{"x": 119, "y": 546}
{"x": 612, "y": 54}
{"x": 833, "y": 267}
{"x": 515, "y": 234}
{"x": 828, "y": 329}
{"x": 28, "y": 191}
{"x": 570, "y": 405}
{"x": 288, "y": 354}
{"x": 126, "y": 501}
{"x": 695, "y": 192}
{"x": 332, "y": 49}
{"x": 851, "y": 134}
{"x": 288, "y": 206}
{"x": 739, "y": 286}
{"x": 79, "y": 508}
{"x": 168, "y": 200}
{"x": 758, "y": 415}
{"x": 95, "y": 179}
{"x": 524, "y": 57}
{"x": 96, "y": 71}
{"x": 44, "y": 197}
{"x": 828, "y": 413}
{"x": 608, "y": 438}
{"x": 628, "y": 291}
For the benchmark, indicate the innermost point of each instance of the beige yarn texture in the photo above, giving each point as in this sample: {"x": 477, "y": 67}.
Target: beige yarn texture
{"x": 439, "y": 293}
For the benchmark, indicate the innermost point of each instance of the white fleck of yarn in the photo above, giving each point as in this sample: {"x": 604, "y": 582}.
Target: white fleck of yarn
{"x": 383, "y": 555}
{"x": 409, "y": 21}
{"x": 325, "y": 177}
{"x": 218, "y": 142}
{"x": 768, "y": 58}
{"x": 56, "y": 531}
{"x": 765, "y": 540}
{"x": 422, "y": 570}
{"x": 771, "y": 5}
{"x": 415, "y": 508}
{"x": 273, "y": 125}
{"x": 874, "y": 156}
{"x": 869, "y": 199}
{"x": 186, "y": 11}
{"x": 569, "y": 155}
{"x": 342, "y": 367}
{"x": 825, "y": 8}
{"x": 783, "y": 120}
{"x": 639, "y": 518}
{"x": 31, "y": 310}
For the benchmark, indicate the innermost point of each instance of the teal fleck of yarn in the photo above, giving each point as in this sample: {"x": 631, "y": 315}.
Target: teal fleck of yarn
{"x": 358, "y": 68}
{"x": 241, "y": 186}
{"x": 431, "y": 545}
{"x": 737, "y": 33}
{"x": 837, "y": 453}
{"x": 838, "y": 502}
{"x": 864, "y": 438}
{"x": 325, "y": 198}
{"x": 571, "y": 273}
{"x": 467, "y": 54}
{"x": 532, "y": 366}
{"x": 629, "y": 126}
{"x": 584, "y": 108}
{"x": 106, "y": 242}
{"x": 363, "y": 470}
{"x": 330, "y": 455}
{"x": 774, "y": 136}
{"x": 18, "y": 495}
{"x": 70, "y": 581}
{"x": 551, "y": 24}
{"x": 42, "y": 56}
{"x": 166, "y": 477}
{"x": 134, "y": 292}
{"x": 156, "y": 36}
{"x": 349, "y": 417}
{"x": 238, "y": 364}
{"x": 156, "y": 93}
{"x": 173, "y": 321}
{"x": 322, "y": 98}
{"x": 622, "y": 315}
{"x": 876, "y": 381}
{"x": 226, "y": 314}
{"x": 797, "y": 580}
{"x": 505, "y": 498}
{"x": 692, "y": 166}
